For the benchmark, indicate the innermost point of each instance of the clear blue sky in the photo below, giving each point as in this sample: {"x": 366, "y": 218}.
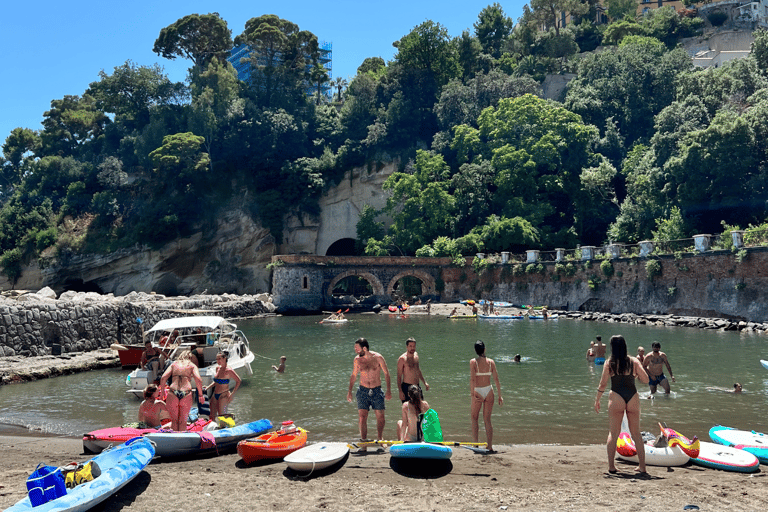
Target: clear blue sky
{"x": 51, "y": 49}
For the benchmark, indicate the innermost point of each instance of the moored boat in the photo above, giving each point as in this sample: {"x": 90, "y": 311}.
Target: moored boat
{"x": 211, "y": 333}
{"x": 116, "y": 468}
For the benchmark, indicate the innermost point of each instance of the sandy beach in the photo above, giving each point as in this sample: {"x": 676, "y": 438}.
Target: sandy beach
{"x": 517, "y": 478}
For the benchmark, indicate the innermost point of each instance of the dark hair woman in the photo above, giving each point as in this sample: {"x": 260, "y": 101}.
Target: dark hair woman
{"x": 481, "y": 370}
{"x": 622, "y": 370}
{"x": 408, "y": 426}
{"x": 222, "y": 395}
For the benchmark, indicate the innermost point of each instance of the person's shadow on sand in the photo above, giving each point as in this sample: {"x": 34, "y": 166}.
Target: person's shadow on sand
{"x": 421, "y": 468}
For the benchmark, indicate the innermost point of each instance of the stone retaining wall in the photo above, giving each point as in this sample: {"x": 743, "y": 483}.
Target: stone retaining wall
{"x": 34, "y": 324}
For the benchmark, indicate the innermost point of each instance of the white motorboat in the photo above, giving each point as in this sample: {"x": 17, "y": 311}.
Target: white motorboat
{"x": 211, "y": 333}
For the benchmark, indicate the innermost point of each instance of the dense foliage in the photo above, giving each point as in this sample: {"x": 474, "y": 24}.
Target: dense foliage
{"x": 641, "y": 145}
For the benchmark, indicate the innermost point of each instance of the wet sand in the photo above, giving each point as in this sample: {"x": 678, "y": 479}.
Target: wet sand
{"x": 517, "y": 478}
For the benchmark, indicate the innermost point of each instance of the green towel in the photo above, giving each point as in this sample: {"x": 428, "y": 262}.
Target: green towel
{"x": 430, "y": 427}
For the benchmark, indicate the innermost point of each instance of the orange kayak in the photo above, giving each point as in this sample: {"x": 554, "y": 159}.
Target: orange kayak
{"x": 272, "y": 445}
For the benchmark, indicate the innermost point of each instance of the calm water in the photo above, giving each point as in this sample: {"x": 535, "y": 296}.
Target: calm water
{"x": 548, "y": 398}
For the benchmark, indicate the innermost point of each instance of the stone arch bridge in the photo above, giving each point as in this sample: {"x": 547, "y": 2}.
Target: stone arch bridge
{"x": 306, "y": 282}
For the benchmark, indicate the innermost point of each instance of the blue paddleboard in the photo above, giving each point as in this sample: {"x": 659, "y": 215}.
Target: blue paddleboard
{"x": 420, "y": 451}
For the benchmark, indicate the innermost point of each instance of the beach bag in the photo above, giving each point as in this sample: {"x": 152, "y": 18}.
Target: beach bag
{"x": 76, "y": 474}
{"x": 46, "y": 483}
{"x": 430, "y": 427}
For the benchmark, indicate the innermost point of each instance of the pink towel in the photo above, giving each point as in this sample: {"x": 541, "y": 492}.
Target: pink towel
{"x": 207, "y": 441}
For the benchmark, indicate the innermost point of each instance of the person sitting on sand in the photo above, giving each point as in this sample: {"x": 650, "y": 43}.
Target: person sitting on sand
{"x": 281, "y": 367}
{"x": 408, "y": 428}
{"x": 222, "y": 396}
{"x": 454, "y": 312}
{"x": 153, "y": 411}
{"x": 179, "y": 400}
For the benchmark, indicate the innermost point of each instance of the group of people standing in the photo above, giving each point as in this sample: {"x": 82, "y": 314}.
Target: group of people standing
{"x": 370, "y": 365}
{"x": 653, "y": 363}
{"x": 170, "y": 395}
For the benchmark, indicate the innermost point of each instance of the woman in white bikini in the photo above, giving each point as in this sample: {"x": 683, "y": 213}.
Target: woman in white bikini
{"x": 179, "y": 399}
{"x": 481, "y": 369}
{"x": 221, "y": 393}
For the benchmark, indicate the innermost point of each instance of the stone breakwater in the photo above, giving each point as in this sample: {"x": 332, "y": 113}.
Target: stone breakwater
{"x": 668, "y": 320}
{"x": 40, "y": 323}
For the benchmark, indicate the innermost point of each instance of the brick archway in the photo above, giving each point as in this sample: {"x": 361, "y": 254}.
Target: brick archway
{"x": 427, "y": 281}
{"x": 378, "y": 288}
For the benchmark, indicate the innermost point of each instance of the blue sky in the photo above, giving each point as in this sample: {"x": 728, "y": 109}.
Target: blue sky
{"x": 51, "y": 49}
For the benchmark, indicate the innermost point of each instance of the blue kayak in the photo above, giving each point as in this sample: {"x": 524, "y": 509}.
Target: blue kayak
{"x": 420, "y": 451}
{"x": 118, "y": 465}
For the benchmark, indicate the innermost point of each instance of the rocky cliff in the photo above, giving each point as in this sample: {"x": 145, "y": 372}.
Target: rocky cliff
{"x": 231, "y": 258}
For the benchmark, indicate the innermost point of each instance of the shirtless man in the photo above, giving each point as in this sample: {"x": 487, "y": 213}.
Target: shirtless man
{"x": 640, "y": 354}
{"x": 599, "y": 349}
{"x": 281, "y": 367}
{"x": 654, "y": 364}
{"x": 369, "y": 395}
{"x": 408, "y": 371}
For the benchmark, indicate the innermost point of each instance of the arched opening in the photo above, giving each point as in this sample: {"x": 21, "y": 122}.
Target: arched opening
{"x": 406, "y": 288}
{"x": 342, "y": 247}
{"x": 77, "y": 285}
{"x": 352, "y": 286}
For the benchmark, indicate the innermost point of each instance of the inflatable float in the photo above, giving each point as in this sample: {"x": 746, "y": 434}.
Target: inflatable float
{"x": 667, "y": 456}
{"x": 750, "y": 441}
{"x": 420, "y": 451}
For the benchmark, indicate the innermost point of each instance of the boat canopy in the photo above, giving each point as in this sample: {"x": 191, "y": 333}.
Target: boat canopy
{"x": 207, "y": 322}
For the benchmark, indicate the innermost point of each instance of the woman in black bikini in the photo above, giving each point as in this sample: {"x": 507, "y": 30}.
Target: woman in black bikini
{"x": 221, "y": 393}
{"x": 179, "y": 399}
{"x": 622, "y": 371}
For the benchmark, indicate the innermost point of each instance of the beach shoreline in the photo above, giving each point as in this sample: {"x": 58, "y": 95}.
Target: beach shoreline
{"x": 519, "y": 477}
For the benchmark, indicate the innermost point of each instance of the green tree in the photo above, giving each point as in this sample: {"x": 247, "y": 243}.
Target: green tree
{"x": 132, "y": 91}
{"x": 180, "y": 161}
{"x": 618, "y": 30}
{"x": 198, "y": 37}
{"x": 420, "y": 205}
{"x": 492, "y": 28}
{"x": 631, "y": 84}
{"x": 281, "y": 59}
{"x": 620, "y": 9}
{"x": 547, "y": 12}
{"x": 19, "y": 150}
{"x": 339, "y": 83}
{"x": 428, "y": 48}
{"x": 374, "y": 65}
{"x": 71, "y": 125}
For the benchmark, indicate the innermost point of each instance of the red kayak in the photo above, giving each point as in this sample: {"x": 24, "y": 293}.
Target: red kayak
{"x": 98, "y": 440}
{"x": 273, "y": 445}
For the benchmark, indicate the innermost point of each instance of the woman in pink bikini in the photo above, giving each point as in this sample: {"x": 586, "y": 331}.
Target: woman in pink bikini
{"x": 222, "y": 396}
{"x": 481, "y": 369}
{"x": 179, "y": 400}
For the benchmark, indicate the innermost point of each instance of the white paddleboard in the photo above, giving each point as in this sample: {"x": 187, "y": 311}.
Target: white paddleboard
{"x": 764, "y": 363}
{"x": 717, "y": 456}
{"x": 315, "y": 457}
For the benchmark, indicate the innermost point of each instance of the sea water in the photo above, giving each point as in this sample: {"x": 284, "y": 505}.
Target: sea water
{"x": 548, "y": 398}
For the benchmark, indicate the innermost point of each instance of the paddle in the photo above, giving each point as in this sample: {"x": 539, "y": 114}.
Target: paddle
{"x": 358, "y": 444}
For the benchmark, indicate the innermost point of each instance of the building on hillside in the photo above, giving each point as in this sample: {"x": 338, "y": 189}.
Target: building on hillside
{"x": 239, "y": 55}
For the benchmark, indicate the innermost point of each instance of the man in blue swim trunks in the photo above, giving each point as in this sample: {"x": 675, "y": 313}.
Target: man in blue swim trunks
{"x": 369, "y": 395}
{"x": 654, "y": 364}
